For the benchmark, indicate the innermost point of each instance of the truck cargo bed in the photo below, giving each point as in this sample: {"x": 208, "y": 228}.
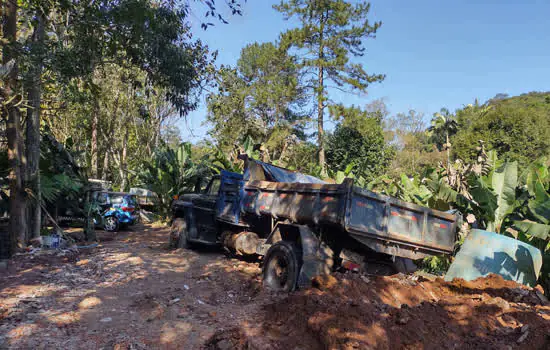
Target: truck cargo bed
{"x": 382, "y": 223}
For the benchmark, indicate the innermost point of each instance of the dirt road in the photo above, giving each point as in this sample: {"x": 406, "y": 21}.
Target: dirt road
{"x": 131, "y": 292}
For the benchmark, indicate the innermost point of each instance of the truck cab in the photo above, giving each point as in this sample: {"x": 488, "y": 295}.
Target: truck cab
{"x": 200, "y": 217}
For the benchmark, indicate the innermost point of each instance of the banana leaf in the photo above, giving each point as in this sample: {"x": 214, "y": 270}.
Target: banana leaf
{"x": 533, "y": 229}
{"x": 483, "y": 196}
{"x": 504, "y": 183}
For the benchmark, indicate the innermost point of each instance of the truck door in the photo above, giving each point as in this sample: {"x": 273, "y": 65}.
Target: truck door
{"x": 205, "y": 212}
{"x": 228, "y": 206}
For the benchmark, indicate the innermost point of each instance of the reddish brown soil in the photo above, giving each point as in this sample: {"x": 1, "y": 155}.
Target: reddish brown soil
{"x": 399, "y": 312}
{"x": 131, "y": 292}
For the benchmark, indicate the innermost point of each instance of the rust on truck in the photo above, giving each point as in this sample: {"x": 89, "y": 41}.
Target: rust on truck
{"x": 303, "y": 225}
{"x": 383, "y": 223}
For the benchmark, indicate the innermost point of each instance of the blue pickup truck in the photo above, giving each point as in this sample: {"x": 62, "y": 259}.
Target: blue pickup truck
{"x": 301, "y": 226}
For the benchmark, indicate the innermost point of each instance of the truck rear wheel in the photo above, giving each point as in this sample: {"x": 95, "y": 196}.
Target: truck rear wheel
{"x": 282, "y": 265}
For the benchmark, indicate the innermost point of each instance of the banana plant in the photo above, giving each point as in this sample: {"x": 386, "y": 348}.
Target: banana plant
{"x": 172, "y": 172}
{"x": 535, "y": 215}
{"x": 340, "y": 176}
{"x": 220, "y": 160}
{"x": 504, "y": 181}
{"x": 55, "y": 185}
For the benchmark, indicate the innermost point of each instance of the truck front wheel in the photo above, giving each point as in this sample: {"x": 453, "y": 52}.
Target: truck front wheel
{"x": 281, "y": 266}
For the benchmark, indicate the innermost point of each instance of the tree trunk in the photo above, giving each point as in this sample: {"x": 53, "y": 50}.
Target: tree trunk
{"x": 157, "y": 135}
{"x": 95, "y": 122}
{"x": 320, "y": 101}
{"x": 89, "y": 230}
{"x": 448, "y": 147}
{"x": 33, "y": 129}
{"x": 105, "y": 167}
{"x": 123, "y": 161}
{"x": 17, "y": 223}
{"x": 320, "y": 127}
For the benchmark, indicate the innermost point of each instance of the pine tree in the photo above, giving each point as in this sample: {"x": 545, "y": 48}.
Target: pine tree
{"x": 330, "y": 33}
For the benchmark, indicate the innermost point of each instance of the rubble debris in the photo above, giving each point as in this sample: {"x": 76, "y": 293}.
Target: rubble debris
{"x": 173, "y": 301}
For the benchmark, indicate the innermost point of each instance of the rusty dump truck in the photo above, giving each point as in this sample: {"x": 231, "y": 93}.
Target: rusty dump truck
{"x": 300, "y": 226}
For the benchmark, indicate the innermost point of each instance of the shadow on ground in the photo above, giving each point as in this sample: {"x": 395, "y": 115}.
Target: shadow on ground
{"x": 132, "y": 292}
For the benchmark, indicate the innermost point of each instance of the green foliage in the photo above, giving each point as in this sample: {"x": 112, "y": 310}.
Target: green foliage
{"x": 443, "y": 126}
{"x": 414, "y": 149}
{"x": 173, "y": 172}
{"x": 504, "y": 182}
{"x": 367, "y": 154}
{"x": 367, "y": 122}
{"x": 303, "y": 158}
{"x": 491, "y": 192}
{"x": 219, "y": 160}
{"x": 61, "y": 178}
{"x": 135, "y": 33}
{"x": 437, "y": 265}
{"x": 330, "y": 33}
{"x": 485, "y": 199}
{"x": 55, "y": 186}
{"x": 518, "y": 128}
{"x": 258, "y": 99}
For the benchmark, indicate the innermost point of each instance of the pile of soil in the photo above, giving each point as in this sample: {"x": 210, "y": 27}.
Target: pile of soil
{"x": 351, "y": 311}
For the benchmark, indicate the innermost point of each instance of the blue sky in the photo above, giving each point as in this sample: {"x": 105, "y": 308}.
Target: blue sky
{"x": 434, "y": 53}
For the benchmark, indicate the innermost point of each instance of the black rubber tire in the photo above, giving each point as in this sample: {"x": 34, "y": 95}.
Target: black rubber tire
{"x": 281, "y": 266}
{"x": 178, "y": 234}
{"x": 111, "y": 224}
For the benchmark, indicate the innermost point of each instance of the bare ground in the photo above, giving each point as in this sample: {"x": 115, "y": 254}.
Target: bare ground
{"x": 131, "y": 292}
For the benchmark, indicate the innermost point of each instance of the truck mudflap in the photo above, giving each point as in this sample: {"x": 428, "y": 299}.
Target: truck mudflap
{"x": 317, "y": 257}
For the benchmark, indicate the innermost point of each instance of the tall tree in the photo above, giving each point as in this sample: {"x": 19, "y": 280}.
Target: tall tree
{"x": 11, "y": 98}
{"x": 358, "y": 142}
{"x": 415, "y": 152}
{"x": 258, "y": 98}
{"x": 67, "y": 41}
{"x": 331, "y": 32}
{"x": 32, "y": 141}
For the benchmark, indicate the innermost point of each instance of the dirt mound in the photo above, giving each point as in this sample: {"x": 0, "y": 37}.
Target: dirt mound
{"x": 402, "y": 311}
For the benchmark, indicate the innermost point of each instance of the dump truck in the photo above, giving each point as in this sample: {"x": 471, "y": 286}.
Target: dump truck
{"x": 300, "y": 226}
